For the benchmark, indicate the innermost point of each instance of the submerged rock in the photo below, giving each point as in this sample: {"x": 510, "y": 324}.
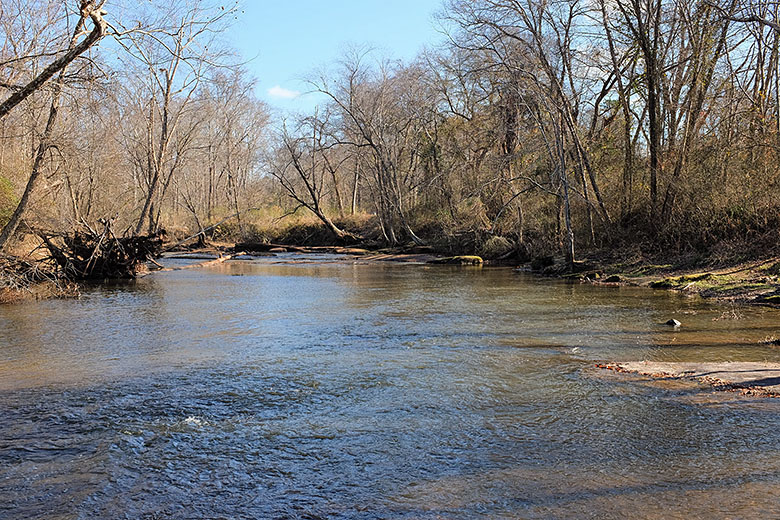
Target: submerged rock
{"x": 748, "y": 378}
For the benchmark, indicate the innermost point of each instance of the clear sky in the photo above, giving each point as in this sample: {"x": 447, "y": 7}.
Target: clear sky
{"x": 286, "y": 40}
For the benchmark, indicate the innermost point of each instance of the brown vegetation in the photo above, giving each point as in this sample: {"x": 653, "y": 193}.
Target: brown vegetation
{"x": 619, "y": 130}
{"x": 22, "y": 279}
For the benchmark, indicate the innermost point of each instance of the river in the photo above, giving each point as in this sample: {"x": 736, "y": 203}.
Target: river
{"x": 326, "y": 389}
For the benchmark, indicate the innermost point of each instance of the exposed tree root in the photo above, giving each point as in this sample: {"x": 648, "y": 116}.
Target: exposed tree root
{"x": 91, "y": 255}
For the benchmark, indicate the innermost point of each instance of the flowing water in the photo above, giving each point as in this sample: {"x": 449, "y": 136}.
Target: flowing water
{"x": 330, "y": 390}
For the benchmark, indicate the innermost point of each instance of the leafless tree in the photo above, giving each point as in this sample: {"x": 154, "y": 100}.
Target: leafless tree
{"x": 173, "y": 58}
{"x": 304, "y": 159}
{"x": 88, "y": 11}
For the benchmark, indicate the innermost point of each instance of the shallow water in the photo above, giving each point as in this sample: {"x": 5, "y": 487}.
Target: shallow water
{"x": 329, "y": 390}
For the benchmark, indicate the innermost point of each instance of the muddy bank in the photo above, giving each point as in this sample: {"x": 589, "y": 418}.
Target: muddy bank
{"x": 748, "y": 378}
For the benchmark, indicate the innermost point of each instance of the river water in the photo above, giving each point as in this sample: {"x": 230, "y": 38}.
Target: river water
{"x": 330, "y": 390}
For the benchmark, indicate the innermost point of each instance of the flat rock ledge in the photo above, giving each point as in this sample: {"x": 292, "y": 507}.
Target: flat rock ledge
{"x": 747, "y": 378}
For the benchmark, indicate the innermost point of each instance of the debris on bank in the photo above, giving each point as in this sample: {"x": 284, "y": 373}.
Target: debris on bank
{"x": 458, "y": 260}
{"x": 52, "y": 268}
{"x": 748, "y": 378}
{"x": 93, "y": 255}
{"x": 23, "y": 279}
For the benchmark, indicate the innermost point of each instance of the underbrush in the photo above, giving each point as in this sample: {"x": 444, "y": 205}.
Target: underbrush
{"x": 23, "y": 279}
{"x": 297, "y": 229}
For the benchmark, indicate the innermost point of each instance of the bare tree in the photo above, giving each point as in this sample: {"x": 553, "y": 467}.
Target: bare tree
{"x": 224, "y": 154}
{"x": 88, "y": 11}
{"x": 751, "y": 12}
{"x": 376, "y": 108}
{"x": 174, "y": 59}
{"x": 301, "y": 165}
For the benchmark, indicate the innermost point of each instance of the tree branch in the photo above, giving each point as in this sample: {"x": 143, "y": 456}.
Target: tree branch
{"x": 88, "y": 9}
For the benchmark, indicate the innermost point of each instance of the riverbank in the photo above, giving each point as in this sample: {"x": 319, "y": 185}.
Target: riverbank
{"x": 736, "y": 281}
{"x": 747, "y": 282}
{"x": 726, "y": 272}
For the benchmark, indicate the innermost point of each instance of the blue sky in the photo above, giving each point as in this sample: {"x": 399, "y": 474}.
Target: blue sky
{"x": 286, "y": 40}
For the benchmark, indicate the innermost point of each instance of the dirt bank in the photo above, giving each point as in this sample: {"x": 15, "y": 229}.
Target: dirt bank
{"x": 754, "y": 282}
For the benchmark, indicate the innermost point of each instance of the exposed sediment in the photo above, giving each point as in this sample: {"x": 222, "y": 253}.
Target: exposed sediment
{"x": 749, "y": 378}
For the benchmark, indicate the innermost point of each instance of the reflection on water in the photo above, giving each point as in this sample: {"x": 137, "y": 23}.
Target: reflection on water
{"x": 263, "y": 390}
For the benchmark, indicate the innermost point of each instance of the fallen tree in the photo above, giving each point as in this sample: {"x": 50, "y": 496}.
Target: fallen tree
{"x": 91, "y": 255}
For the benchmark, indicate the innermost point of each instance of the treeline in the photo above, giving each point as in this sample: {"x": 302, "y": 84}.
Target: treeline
{"x": 574, "y": 123}
{"x": 558, "y": 125}
{"x": 154, "y": 124}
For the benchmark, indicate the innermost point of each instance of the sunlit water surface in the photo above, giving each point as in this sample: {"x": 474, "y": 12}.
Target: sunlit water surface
{"x": 330, "y": 390}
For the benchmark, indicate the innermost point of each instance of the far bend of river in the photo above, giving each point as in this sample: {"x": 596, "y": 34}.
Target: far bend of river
{"x": 257, "y": 390}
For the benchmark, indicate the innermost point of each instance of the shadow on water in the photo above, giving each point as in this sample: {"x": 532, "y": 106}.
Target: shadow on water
{"x": 374, "y": 391}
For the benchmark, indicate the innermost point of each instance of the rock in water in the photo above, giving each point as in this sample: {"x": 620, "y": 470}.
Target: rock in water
{"x": 673, "y": 323}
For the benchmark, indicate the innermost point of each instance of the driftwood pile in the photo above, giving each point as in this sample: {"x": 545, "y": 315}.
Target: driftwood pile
{"x": 21, "y": 278}
{"x": 17, "y": 274}
{"x": 100, "y": 255}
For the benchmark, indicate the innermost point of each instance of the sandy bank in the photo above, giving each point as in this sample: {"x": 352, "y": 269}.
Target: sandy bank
{"x": 752, "y": 378}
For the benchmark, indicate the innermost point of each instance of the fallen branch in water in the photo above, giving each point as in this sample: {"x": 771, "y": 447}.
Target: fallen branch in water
{"x": 216, "y": 261}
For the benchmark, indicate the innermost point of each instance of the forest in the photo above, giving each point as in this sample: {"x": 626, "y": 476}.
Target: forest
{"x": 539, "y": 127}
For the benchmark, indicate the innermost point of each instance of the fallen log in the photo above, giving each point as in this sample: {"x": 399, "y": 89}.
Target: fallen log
{"x": 262, "y": 247}
{"x": 208, "y": 263}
